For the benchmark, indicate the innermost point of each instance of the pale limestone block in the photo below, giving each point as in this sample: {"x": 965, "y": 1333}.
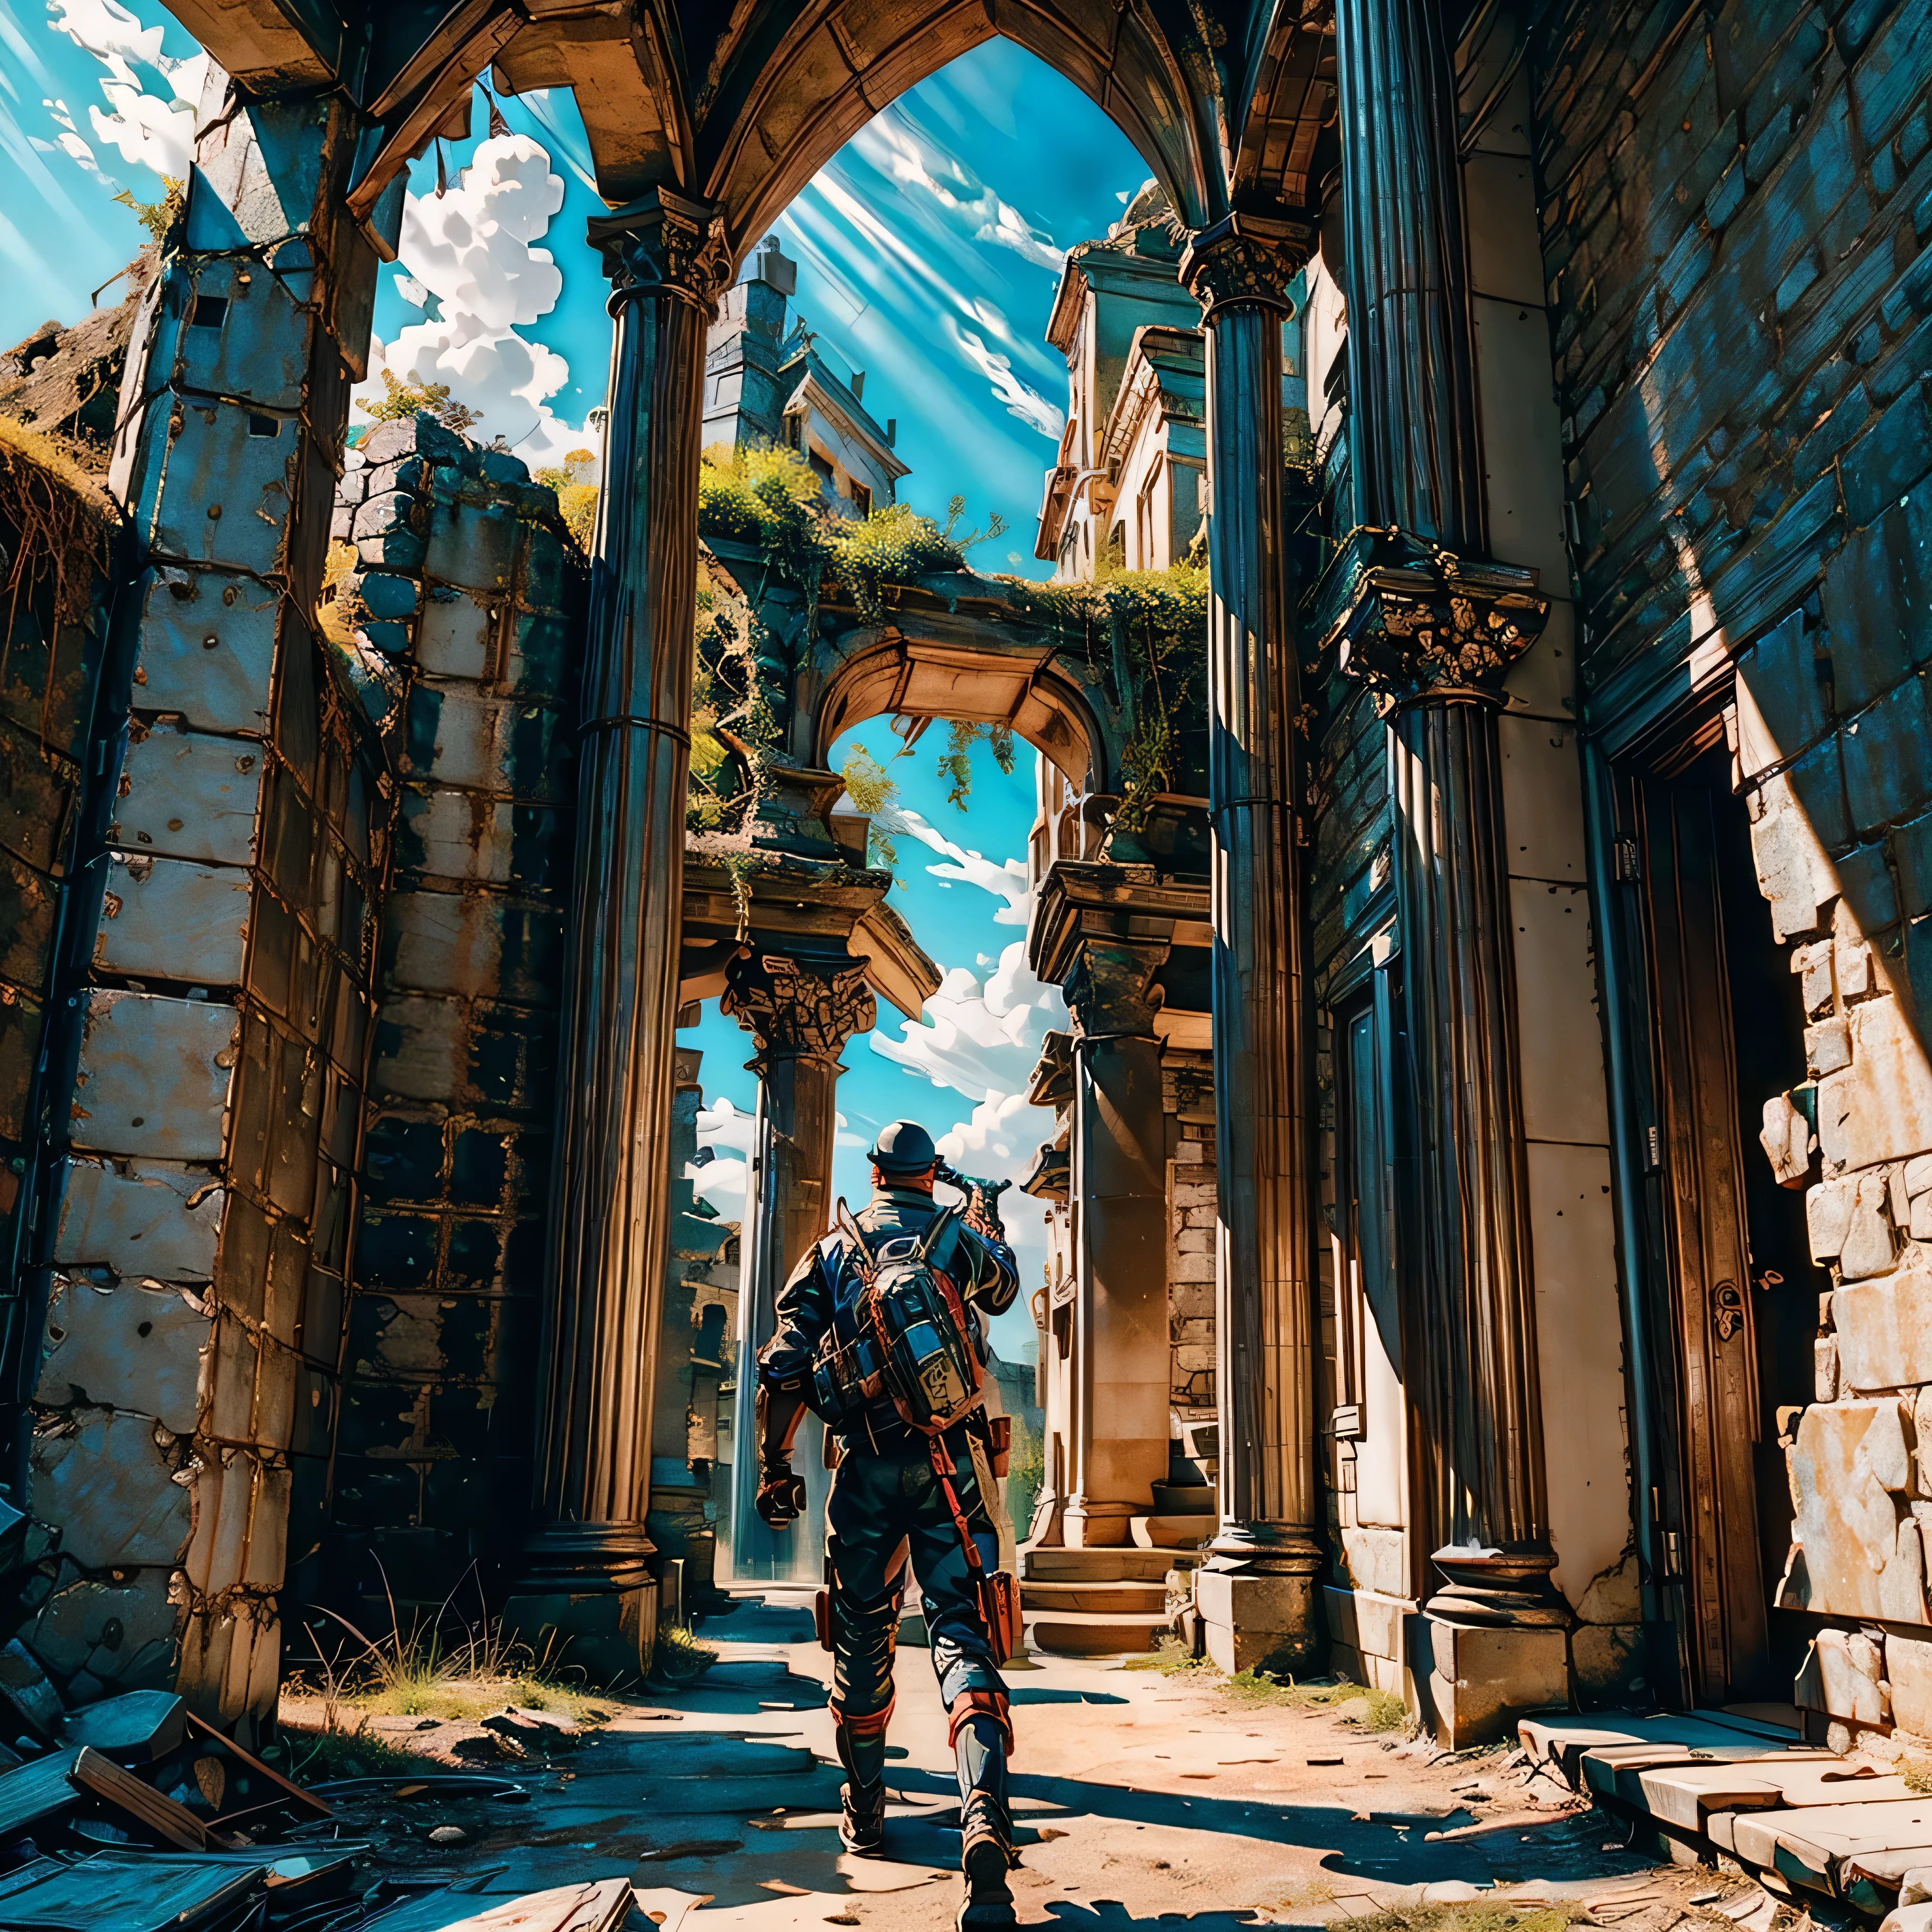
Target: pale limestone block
{"x": 1897, "y": 1203}
{"x": 1879, "y": 1108}
{"x": 1853, "y": 964}
{"x": 1194, "y": 1241}
{"x": 1613, "y": 1596}
{"x": 1792, "y": 872}
{"x": 1190, "y": 1151}
{"x": 1200, "y": 1217}
{"x": 1825, "y": 1369}
{"x": 1194, "y": 1194}
{"x": 1902, "y": 1588}
{"x": 1813, "y": 964}
{"x": 1828, "y": 1046}
{"x": 1908, "y": 1665}
{"x": 1888, "y": 1447}
{"x": 1847, "y": 1520}
{"x": 1920, "y": 1226}
{"x": 1918, "y": 1177}
{"x": 1914, "y": 1889}
{"x": 1841, "y": 1680}
{"x": 1828, "y": 1213}
{"x": 1884, "y": 1328}
{"x": 1192, "y": 1267}
{"x": 1606, "y": 1655}
{"x": 1921, "y": 1435}
{"x": 1785, "y": 1138}
{"x": 1867, "y": 1246}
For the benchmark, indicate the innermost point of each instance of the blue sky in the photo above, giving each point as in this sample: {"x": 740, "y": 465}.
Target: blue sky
{"x": 929, "y": 249}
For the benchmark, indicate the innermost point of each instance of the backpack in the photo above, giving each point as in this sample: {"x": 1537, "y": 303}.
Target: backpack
{"x": 914, "y": 1344}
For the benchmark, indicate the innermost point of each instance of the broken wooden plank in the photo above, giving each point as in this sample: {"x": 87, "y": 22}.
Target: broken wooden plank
{"x": 600, "y": 1905}
{"x": 26, "y": 1697}
{"x": 318, "y": 1805}
{"x": 158, "y": 1813}
{"x": 1809, "y": 1847}
{"x": 136, "y": 1728}
{"x": 38, "y": 1790}
{"x": 107, "y": 1895}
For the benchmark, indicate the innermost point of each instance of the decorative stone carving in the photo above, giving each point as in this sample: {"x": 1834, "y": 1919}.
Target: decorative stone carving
{"x": 1423, "y": 623}
{"x": 663, "y": 244}
{"x": 1248, "y": 260}
{"x": 796, "y": 1004}
{"x": 1111, "y": 989}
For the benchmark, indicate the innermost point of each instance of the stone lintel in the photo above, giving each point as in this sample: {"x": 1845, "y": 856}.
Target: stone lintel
{"x": 1083, "y": 899}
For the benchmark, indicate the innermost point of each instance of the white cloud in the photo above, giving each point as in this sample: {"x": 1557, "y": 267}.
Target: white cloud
{"x": 472, "y": 249}
{"x": 722, "y": 1180}
{"x": 150, "y": 130}
{"x": 1022, "y": 400}
{"x": 890, "y": 144}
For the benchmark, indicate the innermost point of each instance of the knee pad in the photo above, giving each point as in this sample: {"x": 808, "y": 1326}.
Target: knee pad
{"x": 863, "y": 1723}
{"x": 971, "y": 1704}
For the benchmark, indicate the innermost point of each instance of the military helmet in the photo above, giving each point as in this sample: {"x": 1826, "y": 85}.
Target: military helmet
{"x": 903, "y": 1147}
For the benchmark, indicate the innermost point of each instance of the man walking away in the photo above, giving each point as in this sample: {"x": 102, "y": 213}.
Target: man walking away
{"x": 880, "y": 1333}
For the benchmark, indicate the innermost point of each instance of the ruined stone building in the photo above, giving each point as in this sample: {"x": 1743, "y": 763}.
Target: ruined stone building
{"x": 1491, "y": 1148}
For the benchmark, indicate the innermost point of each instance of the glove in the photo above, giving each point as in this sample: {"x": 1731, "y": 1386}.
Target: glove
{"x": 780, "y": 1498}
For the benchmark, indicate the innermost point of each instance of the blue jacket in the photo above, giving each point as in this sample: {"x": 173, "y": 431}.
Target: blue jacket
{"x": 822, "y": 1298}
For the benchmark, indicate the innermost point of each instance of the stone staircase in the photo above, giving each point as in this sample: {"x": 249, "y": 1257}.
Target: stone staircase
{"x": 1104, "y": 1602}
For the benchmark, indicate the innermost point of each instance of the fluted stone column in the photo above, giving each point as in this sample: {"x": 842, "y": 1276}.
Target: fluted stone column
{"x": 801, "y": 1008}
{"x": 1119, "y": 1443}
{"x": 587, "y": 1571}
{"x": 1435, "y": 628}
{"x": 1256, "y": 1597}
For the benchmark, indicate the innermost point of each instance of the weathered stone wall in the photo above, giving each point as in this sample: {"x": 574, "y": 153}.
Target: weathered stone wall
{"x": 472, "y": 591}
{"x": 1736, "y": 202}
{"x": 1188, "y": 1083}
{"x": 187, "y": 1395}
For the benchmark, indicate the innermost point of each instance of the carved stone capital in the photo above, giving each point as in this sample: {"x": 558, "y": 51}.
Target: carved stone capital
{"x": 662, "y": 243}
{"x": 798, "y": 1005}
{"x": 1246, "y": 260}
{"x": 1111, "y": 991}
{"x": 1423, "y": 624}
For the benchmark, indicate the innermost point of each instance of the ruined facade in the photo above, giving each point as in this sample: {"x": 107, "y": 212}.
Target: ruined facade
{"x": 1496, "y": 1088}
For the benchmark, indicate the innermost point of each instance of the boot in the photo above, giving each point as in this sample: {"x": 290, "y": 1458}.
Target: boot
{"x": 862, "y": 1825}
{"x": 985, "y": 1832}
{"x": 986, "y": 1857}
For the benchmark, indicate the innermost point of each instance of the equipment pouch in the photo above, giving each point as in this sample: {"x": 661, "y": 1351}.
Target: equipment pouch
{"x": 1000, "y": 1606}
{"x": 821, "y": 1617}
{"x": 1000, "y": 1442}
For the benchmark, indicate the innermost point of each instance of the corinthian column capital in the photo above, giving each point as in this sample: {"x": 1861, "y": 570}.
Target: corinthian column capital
{"x": 663, "y": 244}
{"x": 1421, "y": 624}
{"x": 798, "y": 1005}
{"x": 1110, "y": 990}
{"x": 1246, "y": 261}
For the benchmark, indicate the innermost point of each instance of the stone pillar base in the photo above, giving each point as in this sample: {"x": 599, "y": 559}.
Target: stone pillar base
{"x": 1475, "y": 1680}
{"x": 1249, "y": 1617}
{"x": 1092, "y": 1526}
{"x": 586, "y": 1598}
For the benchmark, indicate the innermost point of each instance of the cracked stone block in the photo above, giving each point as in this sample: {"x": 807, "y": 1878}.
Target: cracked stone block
{"x": 1785, "y": 1138}
{"x": 1917, "y": 1177}
{"x": 1607, "y": 1656}
{"x": 191, "y": 794}
{"x": 1613, "y": 1596}
{"x": 119, "y": 1635}
{"x": 1828, "y": 1214}
{"x": 1902, "y": 1584}
{"x": 262, "y": 350}
{"x": 1841, "y": 1676}
{"x": 110, "y": 1487}
{"x": 1824, "y": 1368}
{"x": 139, "y": 1217}
{"x": 1828, "y": 1046}
{"x": 1867, "y": 1246}
{"x": 1908, "y": 1667}
{"x": 1847, "y": 1521}
{"x": 1813, "y": 964}
{"x": 173, "y": 919}
{"x": 1793, "y": 873}
{"x": 473, "y": 545}
{"x": 1888, "y": 1447}
{"x": 1853, "y": 965}
{"x": 1879, "y": 1108}
{"x": 207, "y": 648}
{"x": 129, "y": 1347}
{"x": 155, "y": 1075}
{"x": 455, "y": 638}
{"x": 1884, "y": 1329}
{"x": 1920, "y": 1227}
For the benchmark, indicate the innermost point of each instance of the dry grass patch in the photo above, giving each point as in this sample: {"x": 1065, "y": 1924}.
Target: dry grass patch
{"x": 1376, "y": 1711}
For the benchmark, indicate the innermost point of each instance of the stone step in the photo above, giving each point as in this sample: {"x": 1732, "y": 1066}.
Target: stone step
{"x": 1173, "y": 1532}
{"x": 1040, "y": 1562}
{"x": 1120, "y": 1599}
{"x": 1093, "y": 1633}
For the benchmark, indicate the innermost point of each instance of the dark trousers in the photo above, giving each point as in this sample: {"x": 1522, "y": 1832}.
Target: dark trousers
{"x": 884, "y": 1508}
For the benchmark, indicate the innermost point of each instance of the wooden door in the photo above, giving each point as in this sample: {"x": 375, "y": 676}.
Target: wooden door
{"x": 1697, "y": 1199}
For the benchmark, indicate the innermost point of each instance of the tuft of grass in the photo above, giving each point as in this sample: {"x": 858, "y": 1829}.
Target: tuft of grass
{"x": 1378, "y": 1710}
{"x": 681, "y": 1657}
{"x": 1917, "y": 1773}
{"x": 315, "y": 1757}
{"x": 1486, "y": 1915}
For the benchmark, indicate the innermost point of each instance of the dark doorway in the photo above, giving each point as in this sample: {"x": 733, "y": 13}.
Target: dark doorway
{"x": 1731, "y": 1296}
